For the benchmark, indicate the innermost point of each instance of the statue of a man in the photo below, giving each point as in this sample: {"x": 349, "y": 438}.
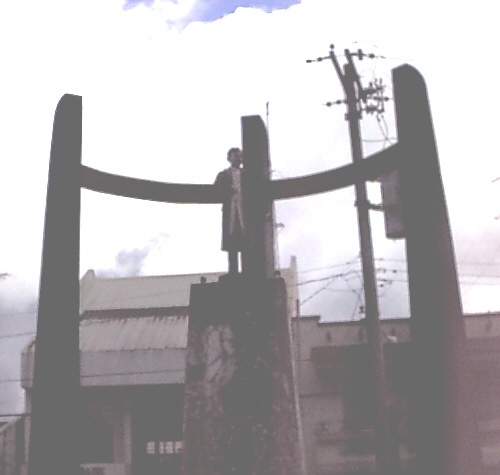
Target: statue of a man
{"x": 233, "y": 217}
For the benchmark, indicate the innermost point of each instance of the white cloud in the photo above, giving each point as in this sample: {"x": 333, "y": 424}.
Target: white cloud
{"x": 166, "y": 105}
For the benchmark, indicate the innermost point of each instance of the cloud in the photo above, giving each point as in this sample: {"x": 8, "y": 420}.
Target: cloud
{"x": 206, "y": 11}
{"x": 17, "y": 327}
{"x": 134, "y": 3}
{"x": 130, "y": 262}
{"x": 165, "y": 103}
{"x": 179, "y": 13}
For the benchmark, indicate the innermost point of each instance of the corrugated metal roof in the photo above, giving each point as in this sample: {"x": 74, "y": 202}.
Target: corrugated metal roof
{"x": 103, "y": 331}
{"x": 138, "y": 292}
{"x": 133, "y": 333}
{"x": 151, "y": 291}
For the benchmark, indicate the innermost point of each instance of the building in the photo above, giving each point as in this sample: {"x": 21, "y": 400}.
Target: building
{"x": 12, "y": 449}
{"x": 133, "y": 336}
{"x": 336, "y": 393}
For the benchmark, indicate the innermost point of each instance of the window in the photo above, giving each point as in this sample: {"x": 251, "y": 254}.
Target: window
{"x": 96, "y": 436}
{"x": 164, "y": 447}
{"x": 150, "y": 448}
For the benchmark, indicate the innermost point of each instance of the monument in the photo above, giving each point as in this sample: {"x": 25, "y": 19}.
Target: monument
{"x": 241, "y": 404}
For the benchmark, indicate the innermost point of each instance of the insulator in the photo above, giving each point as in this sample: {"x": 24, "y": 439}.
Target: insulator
{"x": 360, "y": 54}
{"x": 339, "y": 101}
{"x": 319, "y": 59}
{"x": 371, "y": 56}
{"x": 309, "y": 60}
{"x": 328, "y": 104}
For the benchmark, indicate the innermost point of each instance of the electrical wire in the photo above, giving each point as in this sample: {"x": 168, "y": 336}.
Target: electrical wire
{"x": 357, "y": 304}
{"x": 378, "y": 140}
{"x": 385, "y": 132}
{"x": 17, "y": 335}
{"x": 322, "y": 279}
{"x": 386, "y": 280}
{"x": 349, "y": 262}
{"x": 318, "y": 291}
{"x": 472, "y": 263}
{"x": 18, "y": 314}
{"x": 105, "y": 375}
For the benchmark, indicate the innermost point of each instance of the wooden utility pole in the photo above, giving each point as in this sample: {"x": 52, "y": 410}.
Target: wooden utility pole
{"x": 386, "y": 448}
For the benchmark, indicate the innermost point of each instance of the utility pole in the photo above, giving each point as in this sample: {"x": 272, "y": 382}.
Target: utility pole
{"x": 386, "y": 444}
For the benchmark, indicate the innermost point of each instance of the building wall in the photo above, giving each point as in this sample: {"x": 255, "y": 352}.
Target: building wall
{"x": 126, "y": 430}
{"x": 323, "y": 394}
{"x": 125, "y": 387}
{"x": 12, "y": 447}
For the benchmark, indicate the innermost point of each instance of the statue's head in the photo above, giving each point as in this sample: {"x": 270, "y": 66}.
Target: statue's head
{"x": 235, "y": 156}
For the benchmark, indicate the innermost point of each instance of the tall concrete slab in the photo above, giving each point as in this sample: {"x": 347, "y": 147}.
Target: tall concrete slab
{"x": 54, "y": 442}
{"x": 444, "y": 423}
{"x": 241, "y": 409}
{"x": 258, "y": 259}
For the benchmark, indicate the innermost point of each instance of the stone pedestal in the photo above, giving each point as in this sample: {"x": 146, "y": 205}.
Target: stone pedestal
{"x": 241, "y": 411}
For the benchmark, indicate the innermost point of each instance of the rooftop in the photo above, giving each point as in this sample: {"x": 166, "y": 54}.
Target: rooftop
{"x": 158, "y": 291}
{"x": 132, "y": 333}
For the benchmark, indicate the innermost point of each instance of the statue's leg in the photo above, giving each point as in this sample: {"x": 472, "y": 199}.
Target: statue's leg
{"x": 233, "y": 262}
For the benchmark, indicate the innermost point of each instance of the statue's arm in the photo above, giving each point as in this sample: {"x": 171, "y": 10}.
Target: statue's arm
{"x": 222, "y": 181}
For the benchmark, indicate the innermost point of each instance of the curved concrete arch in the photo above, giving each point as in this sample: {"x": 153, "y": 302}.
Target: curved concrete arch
{"x": 372, "y": 167}
{"x": 138, "y": 188}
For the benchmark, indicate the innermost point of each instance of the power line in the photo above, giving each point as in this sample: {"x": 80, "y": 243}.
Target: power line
{"x": 349, "y": 262}
{"x": 383, "y": 280}
{"x": 478, "y": 263}
{"x": 379, "y": 140}
{"x": 105, "y": 375}
{"x": 357, "y": 305}
{"x": 317, "y": 292}
{"x": 333, "y": 276}
{"x": 473, "y": 284}
{"x": 18, "y": 314}
{"x": 17, "y": 335}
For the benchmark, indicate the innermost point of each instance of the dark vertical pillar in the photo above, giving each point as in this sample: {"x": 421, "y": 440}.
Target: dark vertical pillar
{"x": 241, "y": 406}
{"x": 258, "y": 259}
{"x": 444, "y": 426}
{"x": 240, "y": 400}
{"x": 55, "y": 409}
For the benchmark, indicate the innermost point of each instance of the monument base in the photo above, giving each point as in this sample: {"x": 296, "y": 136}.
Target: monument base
{"x": 241, "y": 411}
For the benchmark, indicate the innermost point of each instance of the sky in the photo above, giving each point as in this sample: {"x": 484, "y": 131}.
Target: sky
{"x": 164, "y": 84}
